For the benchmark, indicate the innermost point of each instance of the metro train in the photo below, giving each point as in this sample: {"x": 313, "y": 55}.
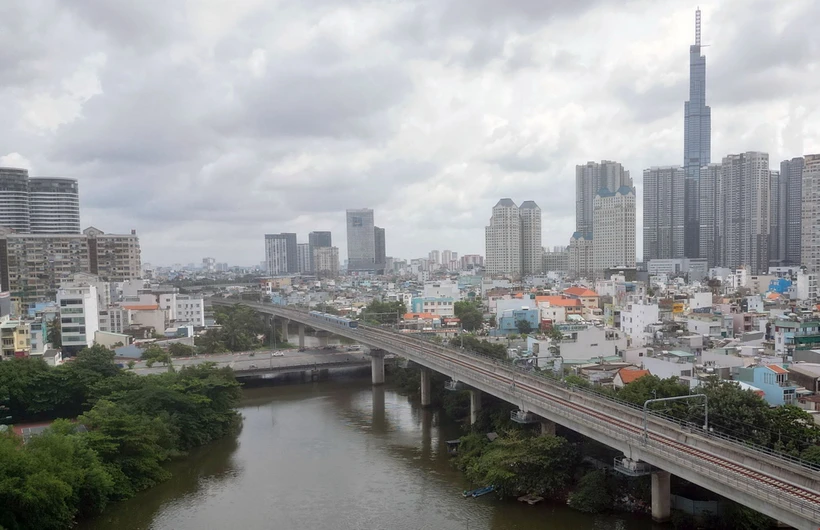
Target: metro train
{"x": 335, "y": 319}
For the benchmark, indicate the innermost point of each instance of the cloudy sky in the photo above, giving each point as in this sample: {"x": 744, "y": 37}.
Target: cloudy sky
{"x": 204, "y": 124}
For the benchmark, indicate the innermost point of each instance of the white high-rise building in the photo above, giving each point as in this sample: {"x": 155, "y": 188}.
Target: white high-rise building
{"x": 590, "y": 178}
{"x": 54, "y": 206}
{"x": 708, "y": 212}
{"x": 79, "y": 315}
{"x": 303, "y": 258}
{"x": 503, "y": 239}
{"x": 326, "y": 261}
{"x": 579, "y": 259}
{"x": 663, "y": 212}
{"x": 613, "y": 233}
{"x": 531, "y": 250}
{"x": 276, "y": 254}
{"x": 743, "y": 212}
{"x": 810, "y": 218}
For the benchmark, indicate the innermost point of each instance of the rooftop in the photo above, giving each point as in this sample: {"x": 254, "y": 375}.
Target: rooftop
{"x": 630, "y": 375}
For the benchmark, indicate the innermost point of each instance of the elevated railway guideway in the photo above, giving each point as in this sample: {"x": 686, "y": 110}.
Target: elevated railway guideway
{"x": 783, "y": 488}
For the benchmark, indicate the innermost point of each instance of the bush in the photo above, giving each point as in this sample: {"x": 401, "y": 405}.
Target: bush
{"x": 593, "y": 494}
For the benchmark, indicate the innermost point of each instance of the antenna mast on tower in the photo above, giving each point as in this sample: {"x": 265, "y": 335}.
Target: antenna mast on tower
{"x": 697, "y": 27}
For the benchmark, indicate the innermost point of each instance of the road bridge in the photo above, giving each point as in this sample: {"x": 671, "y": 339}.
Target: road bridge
{"x": 771, "y": 483}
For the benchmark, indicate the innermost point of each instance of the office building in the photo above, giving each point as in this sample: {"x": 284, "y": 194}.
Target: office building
{"x": 502, "y": 239}
{"x": 810, "y": 223}
{"x": 381, "y": 250}
{"x": 14, "y": 199}
{"x": 79, "y": 316}
{"x": 789, "y": 211}
{"x": 743, "y": 212}
{"x": 613, "y": 233}
{"x": 708, "y": 213}
{"x": 326, "y": 260}
{"x": 531, "y": 249}
{"x": 361, "y": 240}
{"x": 580, "y": 260}
{"x": 54, "y": 206}
{"x": 697, "y": 141}
{"x": 589, "y": 179}
{"x": 303, "y": 258}
{"x": 663, "y": 212}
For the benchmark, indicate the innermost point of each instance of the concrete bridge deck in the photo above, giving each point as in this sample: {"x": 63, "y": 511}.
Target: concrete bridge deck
{"x": 774, "y": 485}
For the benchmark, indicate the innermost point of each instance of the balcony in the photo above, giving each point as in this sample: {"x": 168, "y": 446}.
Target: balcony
{"x": 521, "y": 416}
{"x": 631, "y": 468}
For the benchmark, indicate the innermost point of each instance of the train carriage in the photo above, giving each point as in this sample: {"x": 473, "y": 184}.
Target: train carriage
{"x": 335, "y": 319}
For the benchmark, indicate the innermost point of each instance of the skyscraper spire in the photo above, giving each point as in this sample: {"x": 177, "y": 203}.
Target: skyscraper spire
{"x": 697, "y": 141}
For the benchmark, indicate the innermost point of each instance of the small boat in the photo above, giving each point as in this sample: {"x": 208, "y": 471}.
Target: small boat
{"x": 483, "y": 491}
{"x": 469, "y": 493}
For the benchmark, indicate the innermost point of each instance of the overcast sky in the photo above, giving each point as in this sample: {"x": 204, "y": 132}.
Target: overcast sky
{"x": 204, "y": 124}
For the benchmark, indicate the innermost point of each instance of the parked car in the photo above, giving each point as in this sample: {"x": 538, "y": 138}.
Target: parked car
{"x": 278, "y": 354}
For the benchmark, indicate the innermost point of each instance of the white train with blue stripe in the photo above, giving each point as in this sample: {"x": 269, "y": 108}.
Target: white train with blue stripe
{"x": 335, "y": 319}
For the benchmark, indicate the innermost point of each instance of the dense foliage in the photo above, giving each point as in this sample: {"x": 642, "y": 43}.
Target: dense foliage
{"x": 133, "y": 424}
{"x": 483, "y": 347}
{"x": 470, "y": 315}
{"x": 593, "y": 494}
{"x": 242, "y": 329}
{"x": 378, "y": 312}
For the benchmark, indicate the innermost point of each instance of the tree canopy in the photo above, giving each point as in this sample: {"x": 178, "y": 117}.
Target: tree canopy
{"x": 378, "y": 312}
{"x": 470, "y": 315}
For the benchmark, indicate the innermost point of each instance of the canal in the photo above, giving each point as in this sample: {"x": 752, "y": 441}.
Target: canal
{"x": 329, "y": 456}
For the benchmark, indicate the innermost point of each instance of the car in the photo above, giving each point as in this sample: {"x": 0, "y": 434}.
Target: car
{"x": 278, "y": 354}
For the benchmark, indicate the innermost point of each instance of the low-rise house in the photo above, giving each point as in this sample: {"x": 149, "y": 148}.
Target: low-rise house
{"x": 628, "y": 375}
{"x": 773, "y": 380}
{"x": 585, "y": 341}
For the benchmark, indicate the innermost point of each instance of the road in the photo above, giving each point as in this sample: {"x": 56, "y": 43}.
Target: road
{"x": 261, "y": 359}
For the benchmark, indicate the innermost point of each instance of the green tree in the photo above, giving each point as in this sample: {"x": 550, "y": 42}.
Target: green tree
{"x": 54, "y": 332}
{"x": 737, "y": 412}
{"x": 593, "y": 494}
{"x": 154, "y": 354}
{"x": 483, "y": 347}
{"x": 241, "y": 327}
{"x": 792, "y": 429}
{"x": 470, "y": 315}
{"x": 524, "y": 326}
{"x": 378, "y": 312}
{"x": 210, "y": 342}
{"x": 653, "y": 387}
{"x": 178, "y": 349}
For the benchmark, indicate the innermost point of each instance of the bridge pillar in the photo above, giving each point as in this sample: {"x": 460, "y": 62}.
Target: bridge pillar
{"x": 426, "y": 396}
{"x": 661, "y": 496}
{"x": 285, "y": 323}
{"x": 301, "y": 335}
{"x": 377, "y": 366}
{"x": 475, "y": 405}
{"x": 547, "y": 427}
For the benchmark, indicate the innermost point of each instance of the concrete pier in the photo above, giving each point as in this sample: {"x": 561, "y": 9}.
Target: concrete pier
{"x": 661, "y": 496}
{"x": 285, "y": 324}
{"x": 426, "y": 396}
{"x": 377, "y": 366}
{"x": 301, "y": 335}
{"x": 547, "y": 427}
{"x": 475, "y": 405}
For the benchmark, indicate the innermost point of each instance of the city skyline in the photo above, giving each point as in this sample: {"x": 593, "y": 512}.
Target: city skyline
{"x": 201, "y": 179}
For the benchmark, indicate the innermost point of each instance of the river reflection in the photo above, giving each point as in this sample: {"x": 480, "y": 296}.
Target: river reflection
{"x": 332, "y": 456}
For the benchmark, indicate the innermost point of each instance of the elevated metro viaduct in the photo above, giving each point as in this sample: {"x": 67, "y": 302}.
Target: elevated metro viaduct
{"x": 773, "y": 484}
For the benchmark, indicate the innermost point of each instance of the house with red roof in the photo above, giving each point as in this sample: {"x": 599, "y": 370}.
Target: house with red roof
{"x": 628, "y": 375}
{"x": 588, "y": 297}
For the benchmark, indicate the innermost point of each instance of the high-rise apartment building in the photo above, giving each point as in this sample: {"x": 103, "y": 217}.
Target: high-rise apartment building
{"x": 589, "y": 179}
{"x": 663, "y": 212}
{"x": 276, "y": 254}
{"x": 32, "y": 266}
{"x": 434, "y": 258}
{"x": 502, "y": 239}
{"x": 613, "y": 233}
{"x": 580, "y": 258}
{"x": 318, "y": 240}
{"x": 38, "y": 205}
{"x": 446, "y": 257}
{"x": 303, "y": 261}
{"x": 361, "y": 240}
{"x": 708, "y": 213}
{"x": 774, "y": 218}
{"x": 556, "y": 260}
{"x": 531, "y": 249}
{"x": 743, "y": 212}
{"x": 381, "y": 248}
{"x": 54, "y": 206}
{"x": 471, "y": 261}
{"x": 14, "y": 199}
{"x": 326, "y": 260}
{"x": 697, "y": 141}
{"x": 789, "y": 211}
{"x": 810, "y": 223}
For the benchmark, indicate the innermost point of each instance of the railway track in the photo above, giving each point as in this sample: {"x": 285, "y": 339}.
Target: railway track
{"x": 797, "y": 492}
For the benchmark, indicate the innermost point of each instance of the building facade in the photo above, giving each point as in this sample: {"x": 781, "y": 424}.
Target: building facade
{"x": 113, "y": 257}
{"x": 361, "y": 240}
{"x": 381, "y": 248}
{"x": 789, "y": 211}
{"x": 276, "y": 254}
{"x": 531, "y": 249}
{"x": 697, "y": 141}
{"x": 579, "y": 255}
{"x": 318, "y": 240}
{"x": 14, "y": 199}
{"x": 591, "y": 178}
{"x": 326, "y": 260}
{"x": 303, "y": 261}
{"x": 556, "y": 260}
{"x": 79, "y": 316}
{"x": 663, "y": 212}
{"x": 810, "y": 211}
{"x": 503, "y": 239}
{"x": 54, "y": 206}
{"x": 743, "y": 212}
{"x": 775, "y": 260}
{"x": 613, "y": 232}
{"x": 708, "y": 188}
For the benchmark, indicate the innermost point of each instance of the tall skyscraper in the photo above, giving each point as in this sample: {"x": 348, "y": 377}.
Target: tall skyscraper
{"x": 54, "y": 205}
{"x": 810, "y": 225}
{"x": 326, "y": 260}
{"x": 318, "y": 240}
{"x": 708, "y": 213}
{"x": 361, "y": 240}
{"x": 591, "y": 178}
{"x": 381, "y": 249}
{"x": 303, "y": 261}
{"x": 14, "y": 199}
{"x": 613, "y": 233}
{"x": 276, "y": 254}
{"x": 503, "y": 239}
{"x": 743, "y": 212}
{"x": 663, "y": 212}
{"x": 697, "y": 141}
{"x": 532, "y": 252}
{"x": 789, "y": 211}
{"x": 434, "y": 257}
{"x": 775, "y": 214}
{"x": 579, "y": 259}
